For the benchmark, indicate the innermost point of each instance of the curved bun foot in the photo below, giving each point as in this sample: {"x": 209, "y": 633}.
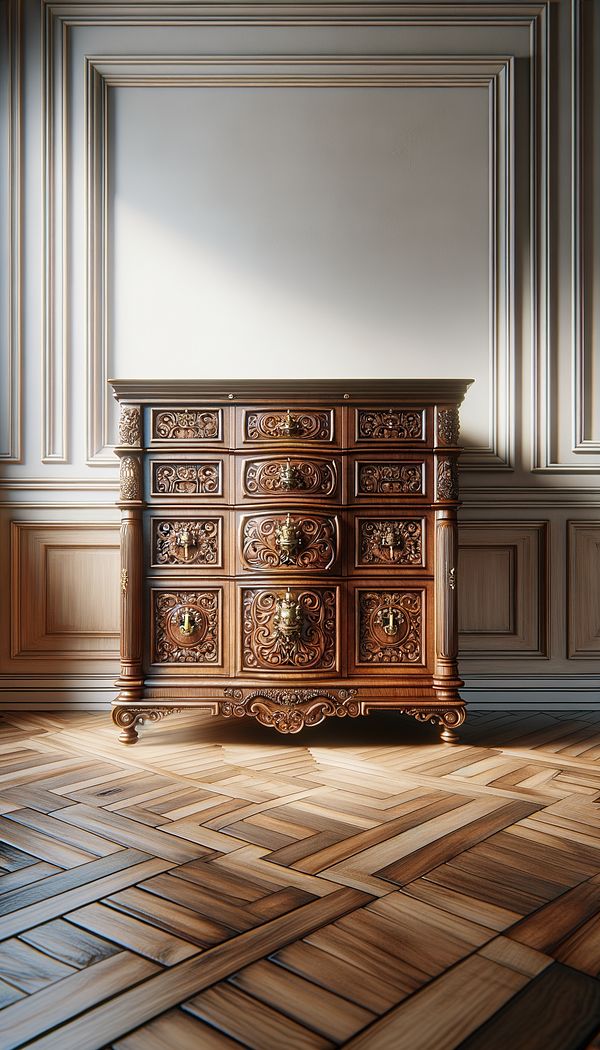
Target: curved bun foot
{"x": 449, "y": 736}
{"x": 128, "y": 736}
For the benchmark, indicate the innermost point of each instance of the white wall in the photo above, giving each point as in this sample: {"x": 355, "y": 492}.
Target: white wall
{"x": 311, "y": 192}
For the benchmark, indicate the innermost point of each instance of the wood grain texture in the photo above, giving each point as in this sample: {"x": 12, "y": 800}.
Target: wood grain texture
{"x": 221, "y": 889}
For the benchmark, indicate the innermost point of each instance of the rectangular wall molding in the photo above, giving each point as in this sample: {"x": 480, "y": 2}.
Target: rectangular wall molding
{"x": 584, "y": 589}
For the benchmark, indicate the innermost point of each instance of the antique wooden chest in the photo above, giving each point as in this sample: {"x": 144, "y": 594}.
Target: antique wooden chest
{"x": 289, "y": 550}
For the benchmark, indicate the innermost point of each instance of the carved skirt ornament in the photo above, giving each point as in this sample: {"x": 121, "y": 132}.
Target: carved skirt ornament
{"x": 389, "y": 424}
{"x": 390, "y": 627}
{"x": 189, "y": 542}
{"x": 383, "y": 540}
{"x": 187, "y": 479}
{"x": 312, "y": 426}
{"x": 390, "y": 479}
{"x": 273, "y": 476}
{"x": 295, "y": 630}
{"x": 186, "y": 627}
{"x": 290, "y": 710}
{"x": 306, "y": 541}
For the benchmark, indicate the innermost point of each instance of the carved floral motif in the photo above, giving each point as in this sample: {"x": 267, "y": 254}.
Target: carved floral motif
{"x": 187, "y": 424}
{"x": 266, "y": 646}
{"x": 187, "y": 479}
{"x": 447, "y": 479}
{"x": 290, "y": 710}
{"x": 448, "y": 426}
{"x": 309, "y": 425}
{"x": 315, "y": 547}
{"x": 389, "y": 424}
{"x": 400, "y": 643}
{"x": 203, "y": 547}
{"x": 273, "y": 476}
{"x": 389, "y": 479}
{"x": 130, "y": 478}
{"x": 388, "y": 542}
{"x": 130, "y": 426}
{"x": 186, "y": 627}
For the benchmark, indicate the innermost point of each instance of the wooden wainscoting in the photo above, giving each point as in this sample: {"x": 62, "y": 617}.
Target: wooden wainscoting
{"x": 503, "y": 579}
{"x": 64, "y": 591}
{"x": 584, "y": 592}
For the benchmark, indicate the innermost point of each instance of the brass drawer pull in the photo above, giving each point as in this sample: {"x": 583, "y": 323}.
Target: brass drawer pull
{"x": 288, "y": 618}
{"x": 390, "y": 619}
{"x": 288, "y": 537}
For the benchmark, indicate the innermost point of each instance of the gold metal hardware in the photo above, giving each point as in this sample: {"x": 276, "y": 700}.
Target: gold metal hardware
{"x": 288, "y": 535}
{"x": 185, "y": 539}
{"x": 187, "y": 622}
{"x": 289, "y": 425}
{"x": 288, "y": 618}
{"x": 124, "y": 580}
{"x": 290, "y": 478}
{"x": 390, "y": 541}
{"x": 390, "y": 619}
{"x": 452, "y": 579}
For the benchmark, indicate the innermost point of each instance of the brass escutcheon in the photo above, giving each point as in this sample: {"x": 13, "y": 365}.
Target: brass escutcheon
{"x": 289, "y": 425}
{"x": 288, "y": 535}
{"x": 390, "y": 619}
{"x": 290, "y": 478}
{"x": 288, "y": 618}
{"x": 185, "y": 539}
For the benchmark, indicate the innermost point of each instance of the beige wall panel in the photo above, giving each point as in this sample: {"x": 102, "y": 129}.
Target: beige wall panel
{"x": 64, "y": 594}
{"x": 584, "y": 589}
{"x": 503, "y": 588}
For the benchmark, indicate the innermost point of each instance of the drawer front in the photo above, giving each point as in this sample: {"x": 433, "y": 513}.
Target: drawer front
{"x": 181, "y": 478}
{"x": 277, "y": 477}
{"x": 381, "y": 478}
{"x": 390, "y": 628}
{"x": 292, "y": 540}
{"x": 293, "y": 630}
{"x": 390, "y": 542}
{"x": 398, "y": 426}
{"x": 281, "y": 424}
{"x": 181, "y": 425}
{"x": 192, "y": 542}
{"x": 187, "y": 626}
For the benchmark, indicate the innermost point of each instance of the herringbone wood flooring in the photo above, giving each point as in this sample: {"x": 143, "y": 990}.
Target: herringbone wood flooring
{"x": 361, "y": 885}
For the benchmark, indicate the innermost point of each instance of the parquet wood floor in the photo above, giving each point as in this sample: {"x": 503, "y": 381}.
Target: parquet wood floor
{"x": 362, "y": 885}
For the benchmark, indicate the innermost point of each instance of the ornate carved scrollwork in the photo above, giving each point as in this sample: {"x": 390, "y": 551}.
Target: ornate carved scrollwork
{"x": 448, "y": 426}
{"x": 130, "y": 479}
{"x": 130, "y": 426}
{"x": 128, "y": 718}
{"x": 265, "y": 646}
{"x": 390, "y": 627}
{"x": 266, "y": 543}
{"x": 447, "y": 479}
{"x": 203, "y": 546}
{"x": 187, "y": 479}
{"x": 187, "y": 424}
{"x": 389, "y": 479}
{"x": 290, "y": 710}
{"x": 311, "y": 425}
{"x": 272, "y": 476}
{"x": 389, "y": 424}
{"x": 447, "y": 718}
{"x": 186, "y": 627}
{"x": 384, "y": 541}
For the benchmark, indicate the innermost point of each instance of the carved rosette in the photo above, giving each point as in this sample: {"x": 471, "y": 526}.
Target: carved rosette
{"x": 447, "y": 479}
{"x": 383, "y": 541}
{"x": 309, "y": 425}
{"x": 309, "y": 476}
{"x": 448, "y": 426}
{"x": 316, "y": 548}
{"x": 130, "y": 479}
{"x": 187, "y": 479}
{"x": 265, "y": 648}
{"x": 290, "y": 710}
{"x": 403, "y": 642}
{"x": 187, "y": 424}
{"x": 389, "y": 479}
{"x": 389, "y": 424}
{"x": 130, "y": 426}
{"x": 204, "y": 547}
{"x": 186, "y": 627}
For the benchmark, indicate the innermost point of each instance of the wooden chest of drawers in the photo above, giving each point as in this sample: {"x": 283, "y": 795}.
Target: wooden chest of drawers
{"x": 289, "y": 550}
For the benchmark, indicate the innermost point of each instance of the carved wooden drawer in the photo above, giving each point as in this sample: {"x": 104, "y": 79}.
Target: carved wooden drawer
{"x": 187, "y": 627}
{"x": 178, "y": 426}
{"x": 289, "y": 630}
{"x": 293, "y": 476}
{"x": 391, "y": 425}
{"x": 187, "y": 542}
{"x": 298, "y": 540}
{"x": 390, "y": 628}
{"x": 181, "y": 478}
{"x": 387, "y": 541}
{"x": 278, "y": 425}
{"x": 381, "y": 477}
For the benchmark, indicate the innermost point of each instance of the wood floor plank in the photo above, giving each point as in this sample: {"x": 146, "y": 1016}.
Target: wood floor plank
{"x": 176, "y": 1029}
{"x": 67, "y": 942}
{"x": 141, "y": 937}
{"x": 253, "y": 1023}
{"x": 29, "y": 969}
